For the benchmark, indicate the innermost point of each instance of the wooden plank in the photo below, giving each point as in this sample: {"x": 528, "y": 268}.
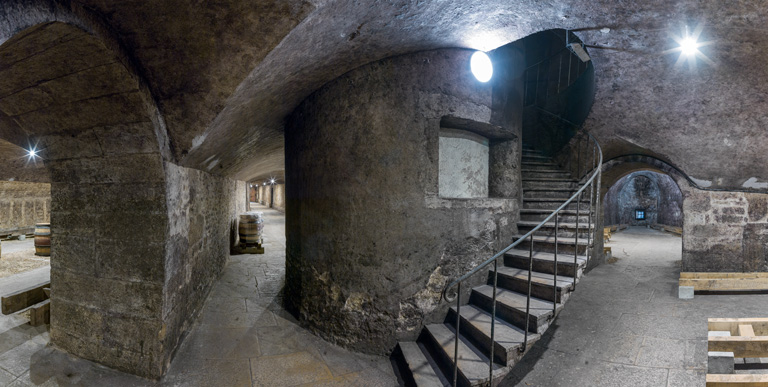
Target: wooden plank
{"x": 718, "y": 275}
{"x": 40, "y": 313}
{"x": 726, "y": 284}
{"x": 746, "y": 330}
{"x": 737, "y": 380}
{"x": 741, "y": 346}
{"x": 759, "y": 325}
{"x": 16, "y": 301}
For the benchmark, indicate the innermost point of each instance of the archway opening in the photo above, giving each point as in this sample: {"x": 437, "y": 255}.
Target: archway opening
{"x": 643, "y": 220}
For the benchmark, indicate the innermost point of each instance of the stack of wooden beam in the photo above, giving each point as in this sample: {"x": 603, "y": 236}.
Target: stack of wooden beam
{"x": 733, "y": 342}
{"x": 33, "y": 300}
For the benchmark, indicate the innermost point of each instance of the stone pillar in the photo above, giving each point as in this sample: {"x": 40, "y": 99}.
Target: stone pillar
{"x": 370, "y": 243}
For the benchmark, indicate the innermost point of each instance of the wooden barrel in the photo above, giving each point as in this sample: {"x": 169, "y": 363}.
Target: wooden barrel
{"x": 250, "y": 228}
{"x": 43, "y": 239}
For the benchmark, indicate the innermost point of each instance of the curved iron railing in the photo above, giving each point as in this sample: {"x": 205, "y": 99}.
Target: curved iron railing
{"x": 593, "y": 176}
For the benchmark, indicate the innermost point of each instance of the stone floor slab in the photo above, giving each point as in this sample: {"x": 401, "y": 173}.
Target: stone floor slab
{"x": 289, "y": 370}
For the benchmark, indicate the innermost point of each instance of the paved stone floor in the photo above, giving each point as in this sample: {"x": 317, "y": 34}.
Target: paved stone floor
{"x": 625, "y": 326}
{"x": 242, "y": 338}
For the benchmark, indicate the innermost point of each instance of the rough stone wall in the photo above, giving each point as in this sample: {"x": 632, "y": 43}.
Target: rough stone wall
{"x": 24, "y": 204}
{"x": 279, "y": 199}
{"x": 370, "y": 244}
{"x": 725, "y": 231}
{"x": 203, "y": 210}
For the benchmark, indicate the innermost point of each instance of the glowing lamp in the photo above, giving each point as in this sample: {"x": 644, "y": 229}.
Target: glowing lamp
{"x": 689, "y": 46}
{"x": 481, "y": 66}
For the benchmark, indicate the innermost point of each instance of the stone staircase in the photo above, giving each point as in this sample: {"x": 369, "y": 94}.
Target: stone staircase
{"x": 429, "y": 360}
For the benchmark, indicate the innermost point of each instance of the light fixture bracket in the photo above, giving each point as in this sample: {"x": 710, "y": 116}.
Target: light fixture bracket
{"x": 576, "y": 48}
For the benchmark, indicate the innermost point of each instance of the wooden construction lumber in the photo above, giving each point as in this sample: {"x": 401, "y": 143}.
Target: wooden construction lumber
{"x": 759, "y": 325}
{"x": 725, "y": 281}
{"x": 737, "y": 380}
{"x": 24, "y": 298}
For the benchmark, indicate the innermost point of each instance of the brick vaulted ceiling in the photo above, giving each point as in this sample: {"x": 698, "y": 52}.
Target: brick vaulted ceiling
{"x": 225, "y": 74}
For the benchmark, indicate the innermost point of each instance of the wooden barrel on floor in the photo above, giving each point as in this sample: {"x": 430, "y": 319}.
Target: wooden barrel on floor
{"x": 250, "y": 228}
{"x": 43, "y": 239}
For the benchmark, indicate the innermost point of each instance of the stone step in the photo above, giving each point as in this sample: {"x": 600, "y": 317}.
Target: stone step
{"x": 550, "y": 184}
{"x": 472, "y": 366}
{"x": 510, "y": 306}
{"x": 552, "y": 193}
{"x": 536, "y": 158}
{"x": 544, "y": 262}
{"x": 539, "y": 214}
{"x": 547, "y": 244}
{"x": 566, "y": 230}
{"x": 538, "y": 166}
{"x": 507, "y": 338}
{"x": 422, "y": 373}
{"x": 552, "y": 204}
{"x": 531, "y": 151}
{"x": 555, "y": 174}
{"x": 542, "y": 284}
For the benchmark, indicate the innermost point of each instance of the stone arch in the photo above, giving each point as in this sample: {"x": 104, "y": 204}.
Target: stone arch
{"x": 616, "y": 168}
{"x": 68, "y": 88}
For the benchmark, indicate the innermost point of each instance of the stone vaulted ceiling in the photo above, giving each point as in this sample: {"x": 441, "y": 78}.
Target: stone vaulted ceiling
{"x": 225, "y": 74}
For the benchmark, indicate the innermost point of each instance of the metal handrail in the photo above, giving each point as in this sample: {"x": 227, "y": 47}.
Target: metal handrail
{"x": 595, "y": 174}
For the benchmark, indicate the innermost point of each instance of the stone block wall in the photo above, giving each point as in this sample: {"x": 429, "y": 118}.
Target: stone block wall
{"x": 266, "y": 195}
{"x": 279, "y": 198}
{"x": 107, "y": 265}
{"x": 23, "y": 204}
{"x": 725, "y": 231}
{"x": 203, "y": 210}
{"x": 162, "y": 240}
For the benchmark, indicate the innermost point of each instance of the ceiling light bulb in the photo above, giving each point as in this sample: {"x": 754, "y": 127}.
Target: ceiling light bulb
{"x": 481, "y": 66}
{"x": 689, "y": 46}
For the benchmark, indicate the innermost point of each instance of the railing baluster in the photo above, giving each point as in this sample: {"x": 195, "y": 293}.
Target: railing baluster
{"x": 576, "y": 246}
{"x": 578, "y": 160}
{"x": 591, "y": 237}
{"x": 559, "y": 73}
{"x": 589, "y": 224}
{"x": 536, "y": 92}
{"x": 528, "y": 300}
{"x": 456, "y": 341}
{"x": 597, "y": 196}
{"x": 493, "y": 316}
{"x": 557, "y": 227}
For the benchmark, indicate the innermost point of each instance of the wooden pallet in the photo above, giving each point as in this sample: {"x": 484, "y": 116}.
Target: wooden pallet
{"x": 748, "y": 339}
